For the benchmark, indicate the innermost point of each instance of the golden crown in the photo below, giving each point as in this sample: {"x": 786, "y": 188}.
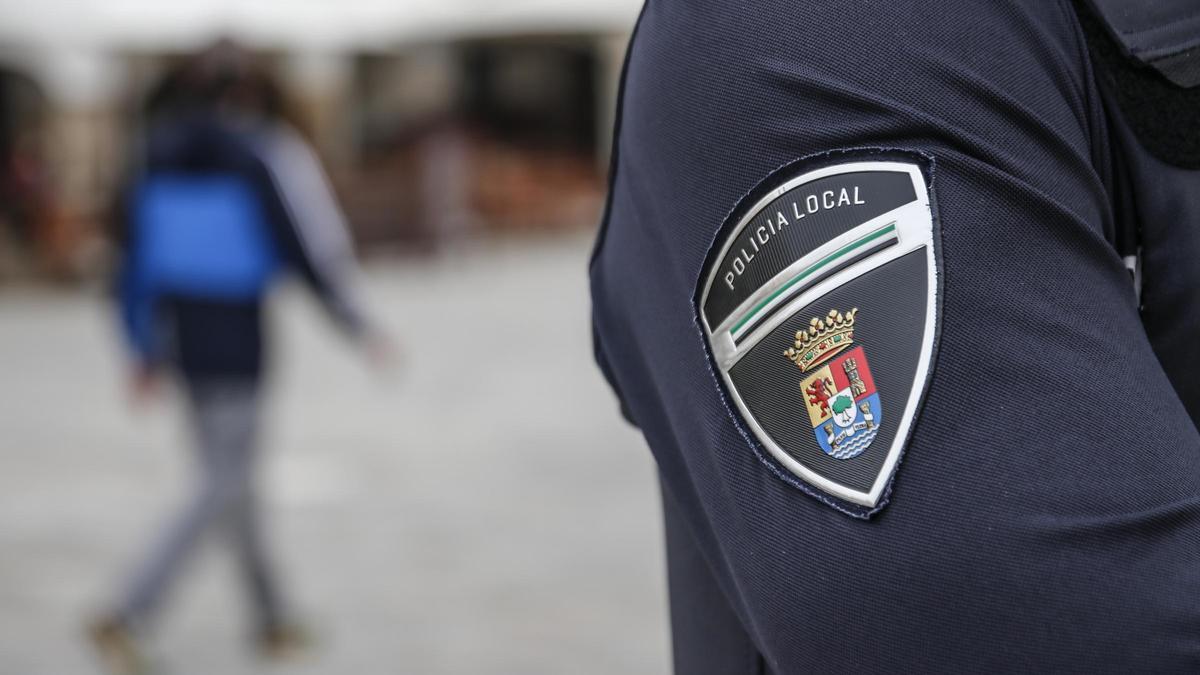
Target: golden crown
{"x": 823, "y": 339}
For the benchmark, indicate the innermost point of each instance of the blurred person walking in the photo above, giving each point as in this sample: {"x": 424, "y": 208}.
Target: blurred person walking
{"x": 225, "y": 197}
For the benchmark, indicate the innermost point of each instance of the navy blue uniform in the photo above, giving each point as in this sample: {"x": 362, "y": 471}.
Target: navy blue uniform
{"x": 1046, "y": 515}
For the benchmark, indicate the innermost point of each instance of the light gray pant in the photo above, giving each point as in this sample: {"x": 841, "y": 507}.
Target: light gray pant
{"x": 225, "y": 419}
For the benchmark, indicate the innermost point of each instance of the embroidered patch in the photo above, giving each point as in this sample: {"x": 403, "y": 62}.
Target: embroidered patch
{"x": 820, "y": 306}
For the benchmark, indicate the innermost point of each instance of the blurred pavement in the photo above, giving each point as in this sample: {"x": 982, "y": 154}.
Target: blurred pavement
{"x": 484, "y": 510}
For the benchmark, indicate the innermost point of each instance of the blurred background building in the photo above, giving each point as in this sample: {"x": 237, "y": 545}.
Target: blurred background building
{"x": 487, "y": 512}
{"x": 436, "y": 119}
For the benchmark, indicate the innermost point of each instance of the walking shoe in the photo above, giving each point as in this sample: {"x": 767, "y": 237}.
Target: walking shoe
{"x": 284, "y": 640}
{"x": 118, "y": 647}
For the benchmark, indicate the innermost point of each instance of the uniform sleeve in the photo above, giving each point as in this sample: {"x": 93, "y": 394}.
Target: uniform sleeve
{"x": 311, "y": 227}
{"x": 1046, "y": 515}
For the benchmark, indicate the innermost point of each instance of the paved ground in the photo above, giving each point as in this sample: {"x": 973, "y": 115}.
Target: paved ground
{"x": 482, "y": 512}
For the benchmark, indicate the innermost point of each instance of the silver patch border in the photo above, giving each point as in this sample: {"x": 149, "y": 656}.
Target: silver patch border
{"x": 916, "y": 229}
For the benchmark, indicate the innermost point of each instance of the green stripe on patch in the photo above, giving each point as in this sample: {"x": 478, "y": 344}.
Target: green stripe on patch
{"x": 802, "y": 274}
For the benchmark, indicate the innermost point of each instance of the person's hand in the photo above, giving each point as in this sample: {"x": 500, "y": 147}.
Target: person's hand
{"x": 145, "y": 385}
{"x": 382, "y": 352}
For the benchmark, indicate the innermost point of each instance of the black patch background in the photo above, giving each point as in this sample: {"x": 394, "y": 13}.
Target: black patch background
{"x": 890, "y": 325}
{"x": 881, "y": 190}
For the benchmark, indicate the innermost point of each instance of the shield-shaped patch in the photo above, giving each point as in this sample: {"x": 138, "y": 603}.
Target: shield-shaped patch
{"x": 820, "y": 306}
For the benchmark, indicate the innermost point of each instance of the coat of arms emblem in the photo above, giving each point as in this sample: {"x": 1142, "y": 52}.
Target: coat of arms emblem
{"x": 843, "y": 405}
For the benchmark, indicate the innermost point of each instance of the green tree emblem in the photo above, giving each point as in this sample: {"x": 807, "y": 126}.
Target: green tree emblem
{"x": 841, "y": 403}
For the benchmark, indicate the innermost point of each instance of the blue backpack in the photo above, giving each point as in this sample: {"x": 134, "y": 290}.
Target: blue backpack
{"x": 203, "y": 235}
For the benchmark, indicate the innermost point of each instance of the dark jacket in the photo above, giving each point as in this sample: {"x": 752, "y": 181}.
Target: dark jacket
{"x": 212, "y": 216}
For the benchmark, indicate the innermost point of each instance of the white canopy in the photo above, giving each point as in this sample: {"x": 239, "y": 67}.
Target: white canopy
{"x": 295, "y": 24}
{"x": 68, "y": 44}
